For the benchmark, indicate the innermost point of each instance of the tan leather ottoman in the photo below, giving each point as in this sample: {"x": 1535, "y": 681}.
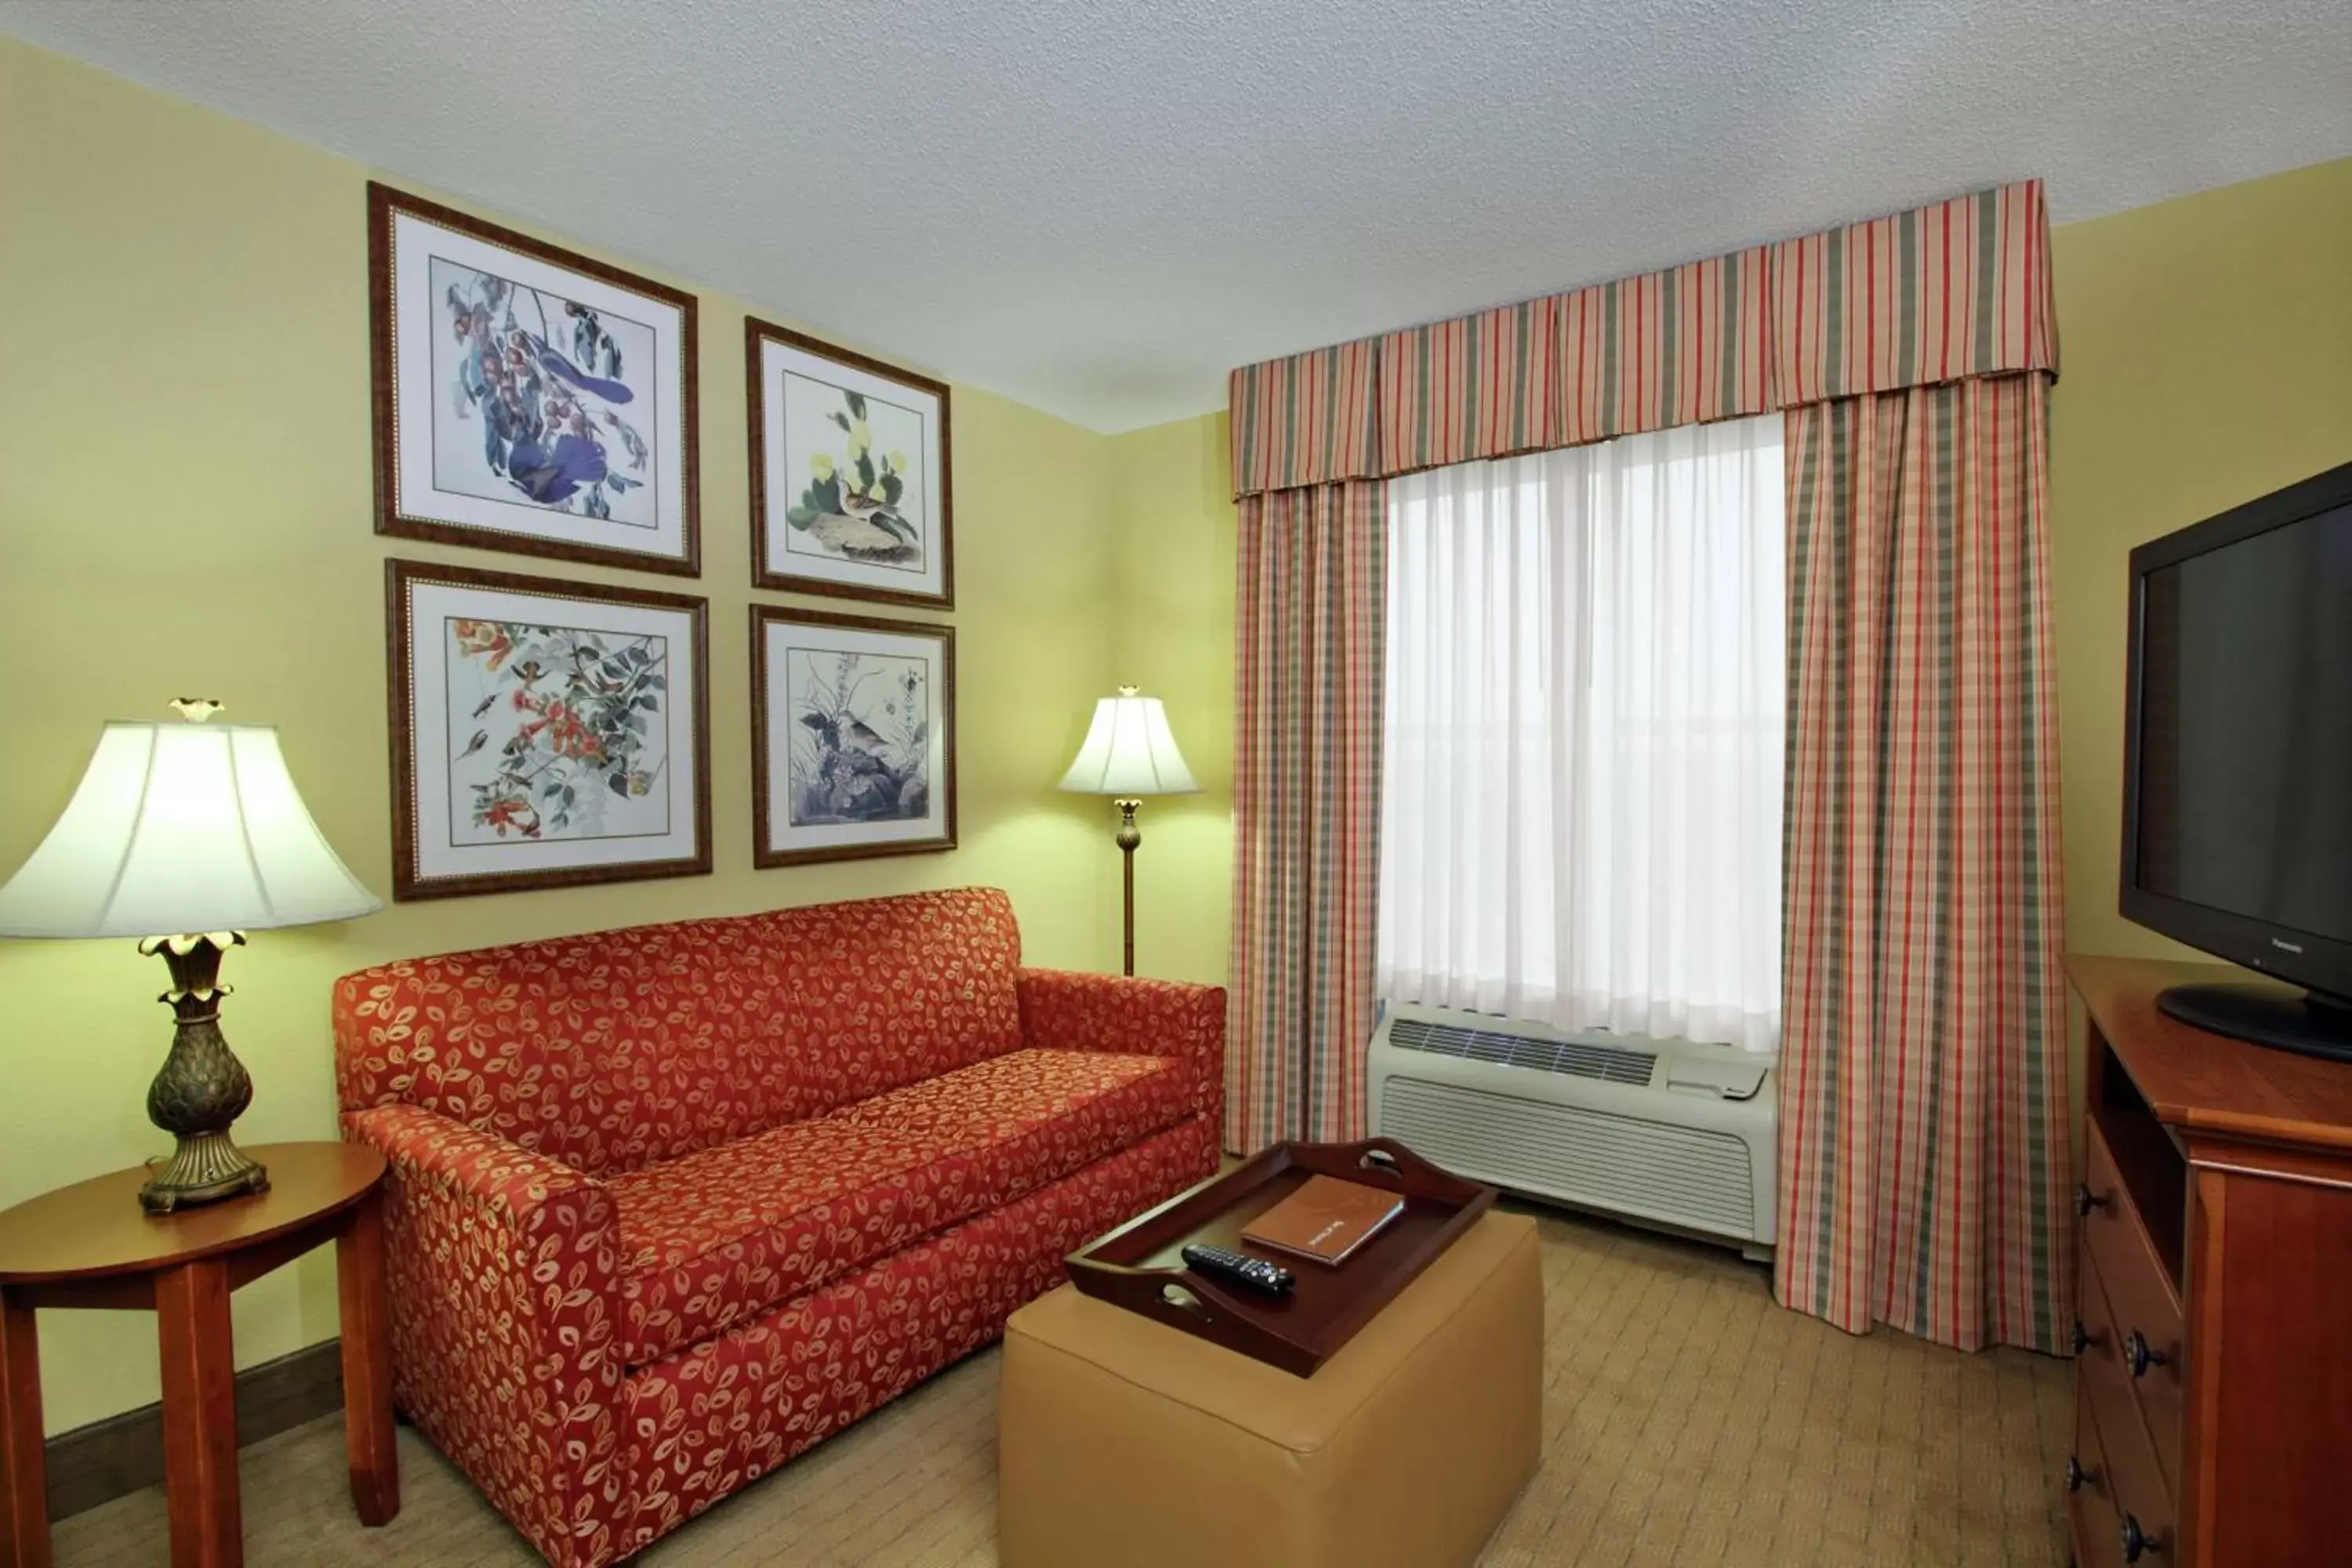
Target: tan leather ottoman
{"x": 1123, "y": 1441}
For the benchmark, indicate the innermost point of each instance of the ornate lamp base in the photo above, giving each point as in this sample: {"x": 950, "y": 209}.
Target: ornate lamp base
{"x": 202, "y": 1088}
{"x": 204, "y": 1168}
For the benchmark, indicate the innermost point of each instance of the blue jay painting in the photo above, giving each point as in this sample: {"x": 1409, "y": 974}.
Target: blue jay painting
{"x": 547, "y": 382}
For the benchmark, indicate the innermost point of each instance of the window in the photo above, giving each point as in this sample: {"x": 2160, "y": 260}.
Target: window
{"x": 1581, "y": 797}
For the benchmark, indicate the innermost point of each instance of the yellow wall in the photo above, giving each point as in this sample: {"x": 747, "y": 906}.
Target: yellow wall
{"x": 1174, "y": 570}
{"x": 2206, "y": 347}
{"x": 186, "y": 509}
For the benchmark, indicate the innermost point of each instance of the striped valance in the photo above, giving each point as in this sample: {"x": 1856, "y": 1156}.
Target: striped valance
{"x": 1959, "y": 288}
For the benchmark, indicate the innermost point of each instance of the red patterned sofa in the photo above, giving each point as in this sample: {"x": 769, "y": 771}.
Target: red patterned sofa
{"x": 670, "y": 1204}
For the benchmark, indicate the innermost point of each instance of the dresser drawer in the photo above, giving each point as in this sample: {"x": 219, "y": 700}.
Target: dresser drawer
{"x": 2148, "y": 1344}
{"x": 2140, "y": 1493}
{"x": 2091, "y": 1509}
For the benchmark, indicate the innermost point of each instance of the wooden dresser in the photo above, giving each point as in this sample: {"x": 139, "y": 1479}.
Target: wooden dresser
{"x": 2213, "y": 1388}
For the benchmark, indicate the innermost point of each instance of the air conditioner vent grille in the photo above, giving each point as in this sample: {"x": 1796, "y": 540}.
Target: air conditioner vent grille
{"x": 1575, "y": 1058}
{"x": 1696, "y": 1177}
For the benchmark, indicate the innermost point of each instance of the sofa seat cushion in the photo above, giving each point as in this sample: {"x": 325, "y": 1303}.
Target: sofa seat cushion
{"x": 714, "y": 1238}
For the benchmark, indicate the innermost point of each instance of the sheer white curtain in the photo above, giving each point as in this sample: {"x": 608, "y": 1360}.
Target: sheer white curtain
{"x": 1581, "y": 795}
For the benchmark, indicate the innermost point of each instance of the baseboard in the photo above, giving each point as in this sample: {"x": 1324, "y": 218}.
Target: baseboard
{"x": 111, "y": 1458}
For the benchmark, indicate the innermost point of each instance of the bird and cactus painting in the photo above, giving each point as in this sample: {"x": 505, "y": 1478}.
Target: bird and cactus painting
{"x": 861, "y": 501}
{"x": 555, "y": 733}
{"x": 851, "y": 478}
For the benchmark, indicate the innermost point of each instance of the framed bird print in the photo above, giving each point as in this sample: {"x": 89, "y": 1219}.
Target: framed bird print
{"x": 852, "y": 744}
{"x": 527, "y": 398}
{"x": 544, "y": 734}
{"x": 850, "y": 493}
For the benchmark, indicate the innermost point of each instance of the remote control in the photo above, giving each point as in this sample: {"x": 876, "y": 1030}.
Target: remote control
{"x": 1240, "y": 1269}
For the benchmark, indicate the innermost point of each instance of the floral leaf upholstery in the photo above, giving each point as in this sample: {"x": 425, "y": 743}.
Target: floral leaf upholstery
{"x": 617, "y": 1049}
{"x": 715, "y": 1238}
{"x": 669, "y": 1204}
{"x": 726, "y": 1413}
{"x": 499, "y": 1270}
{"x": 1065, "y": 1010}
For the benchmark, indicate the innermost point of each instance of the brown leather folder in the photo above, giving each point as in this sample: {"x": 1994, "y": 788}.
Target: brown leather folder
{"x": 1326, "y": 1219}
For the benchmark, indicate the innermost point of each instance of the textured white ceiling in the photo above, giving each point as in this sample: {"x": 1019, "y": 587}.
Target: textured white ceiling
{"x": 1099, "y": 209}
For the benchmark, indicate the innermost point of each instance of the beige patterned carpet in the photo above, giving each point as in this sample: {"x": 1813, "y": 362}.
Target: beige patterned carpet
{"x": 1690, "y": 1423}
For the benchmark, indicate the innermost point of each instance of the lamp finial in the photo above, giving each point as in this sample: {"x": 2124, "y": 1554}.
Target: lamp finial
{"x": 1130, "y": 692}
{"x": 195, "y": 710}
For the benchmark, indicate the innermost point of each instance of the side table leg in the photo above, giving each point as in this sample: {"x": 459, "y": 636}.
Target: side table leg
{"x": 199, "y": 1416}
{"x": 368, "y": 1432}
{"x": 23, "y": 1463}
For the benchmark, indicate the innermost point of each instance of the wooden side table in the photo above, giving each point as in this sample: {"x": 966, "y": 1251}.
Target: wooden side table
{"x": 92, "y": 1246}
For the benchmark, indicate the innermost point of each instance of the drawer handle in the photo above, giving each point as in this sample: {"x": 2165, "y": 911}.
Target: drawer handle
{"x": 2084, "y": 1338}
{"x": 2136, "y": 1352}
{"x": 2137, "y": 1543}
{"x": 2077, "y": 1474}
{"x": 2087, "y": 1200}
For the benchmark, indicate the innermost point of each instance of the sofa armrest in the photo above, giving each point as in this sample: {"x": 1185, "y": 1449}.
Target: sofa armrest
{"x": 519, "y": 1188}
{"x": 1065, "y": 1010}
{"x": 501, "y": 1265}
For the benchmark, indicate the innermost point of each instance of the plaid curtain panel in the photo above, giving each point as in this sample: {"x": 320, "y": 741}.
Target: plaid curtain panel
{"x": 1310, "y": 628}
{"x": 1925, "y": 1123}
{"x": 1925, "y": 1117}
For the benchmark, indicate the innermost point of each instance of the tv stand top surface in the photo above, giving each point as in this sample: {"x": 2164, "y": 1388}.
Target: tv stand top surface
{"x": 2205, "y": 1083}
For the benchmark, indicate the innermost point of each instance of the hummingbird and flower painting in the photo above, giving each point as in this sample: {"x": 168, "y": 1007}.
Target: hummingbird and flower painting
{"x": 567, "y": 741}
{"x": 527, "y": 398}
{"x": 855, "y": 747}
{"x": 849, "y": 482}
{"x": 545, "y": 733}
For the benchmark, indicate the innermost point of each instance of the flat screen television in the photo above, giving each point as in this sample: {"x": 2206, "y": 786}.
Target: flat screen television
{"x": 2238, "y": 760}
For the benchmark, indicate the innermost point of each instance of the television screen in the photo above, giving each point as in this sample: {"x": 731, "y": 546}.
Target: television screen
{"x": 2245, "y": 728}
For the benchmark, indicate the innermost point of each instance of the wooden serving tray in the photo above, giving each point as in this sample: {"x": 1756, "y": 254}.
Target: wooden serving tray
{"x": 1140, "y": 1265}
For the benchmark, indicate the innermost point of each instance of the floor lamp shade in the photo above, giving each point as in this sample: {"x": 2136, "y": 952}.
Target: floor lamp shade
{"x": 181, "y": 828}
{"x": 1128, "y": 750}
{"x": 186, "y": 836}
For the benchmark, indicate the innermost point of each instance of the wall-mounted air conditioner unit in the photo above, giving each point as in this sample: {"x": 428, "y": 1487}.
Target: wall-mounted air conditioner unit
{"x": 1662, "y": 1132}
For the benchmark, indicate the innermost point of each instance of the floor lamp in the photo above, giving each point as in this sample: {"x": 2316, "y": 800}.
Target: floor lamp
{"x": 1128, "y": 754}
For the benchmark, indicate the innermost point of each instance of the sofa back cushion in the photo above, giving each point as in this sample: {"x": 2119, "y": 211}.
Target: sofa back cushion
{"x": 613, "y": 1051}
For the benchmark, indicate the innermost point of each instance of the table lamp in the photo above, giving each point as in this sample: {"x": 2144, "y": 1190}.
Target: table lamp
{"x": 194, "y": 831}
{"x": 1128, "y": 754}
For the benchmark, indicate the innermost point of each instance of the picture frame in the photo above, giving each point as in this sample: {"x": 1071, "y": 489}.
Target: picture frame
{"x": 527, "y": 398}
{"x": 543, "y": 733}
{"x": 840, "y": 769}
{"x": 852, "y": 492}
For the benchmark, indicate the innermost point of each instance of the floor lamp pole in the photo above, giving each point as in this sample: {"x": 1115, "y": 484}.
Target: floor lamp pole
{"x": 1129, "y": 836}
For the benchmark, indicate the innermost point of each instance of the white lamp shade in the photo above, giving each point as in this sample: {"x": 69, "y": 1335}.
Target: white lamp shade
{"x": 1128, "y": 750}
{"x": 181, "y": 828}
